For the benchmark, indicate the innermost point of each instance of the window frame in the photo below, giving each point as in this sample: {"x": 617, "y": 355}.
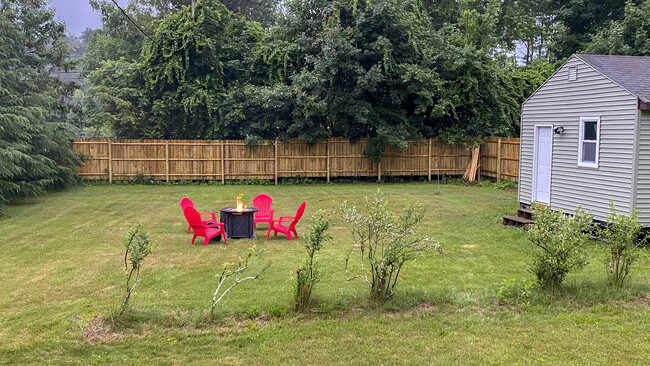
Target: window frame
{"x": 581, "y": 141}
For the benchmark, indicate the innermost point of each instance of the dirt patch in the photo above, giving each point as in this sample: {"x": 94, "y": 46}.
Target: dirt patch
{"x": 230, "y": 360}
{"x": 469, "y": 246}
{"x": 474, "y": 309}
{"x": 643, "y": 300}
{"x": 339, "y": 227}
{"x": 512, "y": 190}
{"x": 98, "y": 331}
{"x": 37, "y": 278}
{"x": 423, "y": 307}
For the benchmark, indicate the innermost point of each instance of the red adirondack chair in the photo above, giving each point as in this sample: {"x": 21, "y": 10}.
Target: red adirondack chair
{"x": 186, "y": 202}
{"x": 276, "y": 225}
{"x": 208, "y": 231}
{"x": 263, "y": 203}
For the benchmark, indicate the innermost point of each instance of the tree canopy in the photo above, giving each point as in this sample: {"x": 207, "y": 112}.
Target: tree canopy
{"x": 35, "y": 152}
{"x": 629, "y": 35}
{"x": 383, "y": 69}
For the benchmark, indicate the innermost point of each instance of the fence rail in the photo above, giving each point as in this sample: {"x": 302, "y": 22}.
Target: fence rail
{"x": 337, "y": 157}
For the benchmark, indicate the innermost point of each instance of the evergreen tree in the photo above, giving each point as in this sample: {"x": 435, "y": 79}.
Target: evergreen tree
{"x": 35, "y": 152}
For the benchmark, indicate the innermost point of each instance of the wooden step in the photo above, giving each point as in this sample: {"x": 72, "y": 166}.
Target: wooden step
{"x": 525, "y": 213}
{"x": 517, "y": 221}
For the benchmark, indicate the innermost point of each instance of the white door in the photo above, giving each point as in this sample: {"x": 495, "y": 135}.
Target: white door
{"x": 542, "y": 171}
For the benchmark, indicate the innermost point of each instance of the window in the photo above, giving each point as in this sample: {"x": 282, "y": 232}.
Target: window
{"x": 589, "y": 142}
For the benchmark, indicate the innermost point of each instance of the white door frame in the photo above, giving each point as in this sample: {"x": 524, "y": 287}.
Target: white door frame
{"x": 535, "y": 152}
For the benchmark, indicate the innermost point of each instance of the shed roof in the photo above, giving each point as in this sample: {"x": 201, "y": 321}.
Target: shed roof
{"x": 630, "y": 72}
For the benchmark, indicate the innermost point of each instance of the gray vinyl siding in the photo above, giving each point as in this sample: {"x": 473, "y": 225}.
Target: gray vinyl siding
{"x": 561, "y": 102}
{"x": 643, "y": 182}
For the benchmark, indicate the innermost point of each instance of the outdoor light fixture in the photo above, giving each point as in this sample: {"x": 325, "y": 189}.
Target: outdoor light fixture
{"x": 558, "y": 130}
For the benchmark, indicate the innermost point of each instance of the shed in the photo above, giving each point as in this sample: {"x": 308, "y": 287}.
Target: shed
{"x": 585, "y": 137}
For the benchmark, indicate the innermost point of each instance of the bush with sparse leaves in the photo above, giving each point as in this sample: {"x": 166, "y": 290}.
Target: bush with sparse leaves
{"x": 386, "y": 241}
{"x": 237, "y": 275}
{"x": 307, "y": 275}
{"x": 137, "y": 248}
{"x": 621, "y": 235}
{"x": 561, "y": 239}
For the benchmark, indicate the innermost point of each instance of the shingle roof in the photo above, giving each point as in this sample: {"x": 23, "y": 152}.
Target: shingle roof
{"x": 630, "y": 72}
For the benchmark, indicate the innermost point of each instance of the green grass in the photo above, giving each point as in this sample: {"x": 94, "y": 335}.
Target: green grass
{"x": 62, "y": 268}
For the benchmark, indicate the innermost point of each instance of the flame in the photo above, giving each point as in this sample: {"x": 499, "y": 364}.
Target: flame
{"x": 240, "y": 203}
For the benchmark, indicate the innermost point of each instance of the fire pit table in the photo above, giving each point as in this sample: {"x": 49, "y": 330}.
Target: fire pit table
{"x": 239, "y": 224}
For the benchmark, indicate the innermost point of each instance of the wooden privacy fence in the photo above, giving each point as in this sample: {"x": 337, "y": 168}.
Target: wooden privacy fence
{"x": 500, "y": 158}
{"x": 337, "y": 157}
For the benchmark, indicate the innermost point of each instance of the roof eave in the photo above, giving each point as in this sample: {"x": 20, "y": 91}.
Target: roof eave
{"x": 643, "y": 105}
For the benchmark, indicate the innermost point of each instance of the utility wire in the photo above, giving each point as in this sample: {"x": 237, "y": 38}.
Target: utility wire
{"x": 131, "y": 19}
{"x": 145, "y": 33}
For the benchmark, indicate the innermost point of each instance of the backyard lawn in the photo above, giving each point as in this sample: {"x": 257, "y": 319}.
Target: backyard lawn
{"x": 62, "y": 277}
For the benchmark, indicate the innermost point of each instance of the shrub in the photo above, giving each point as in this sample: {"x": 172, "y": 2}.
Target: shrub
{"x": 142, "y": 179}
{"x": 386, "y": 241}
{"x": 307, "y": 274}
{"x": 561, "y": 240}
{"x": 298, "y": 180}
{"x": 138, "y": 247}
{"x": 249, "y": 182}
{"x": 237, "y": 275}
{"x": 621, "y": 237}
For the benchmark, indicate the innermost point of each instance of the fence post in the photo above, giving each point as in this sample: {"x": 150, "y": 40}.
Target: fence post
{"x": 110, "y": 161}
{"x": 167, "y": 160}
{"x": 275, "y": 164}
{"x": 379, "y": 170}
{"x": 223, "y": 164}
{"x": 327, "y": 148}
{"x": 429, "y": 161}
{"x": 499, "y": 161}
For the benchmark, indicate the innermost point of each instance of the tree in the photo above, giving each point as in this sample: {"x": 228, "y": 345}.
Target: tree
{"x": 117, "y": 101}
{"x": 183, "y": 71}
{"x": 627, "y": 36}
{"x": 532, "y": 24}
{"x": 581, "y": 20}
{"x": 387, "y": 70}
{"x": 118, "y": 38}
{"x": 176, "y": 87}
{"x": 384, "y": 70}
{"x": 262, "y": 11}
{"x": 35, "y": 153}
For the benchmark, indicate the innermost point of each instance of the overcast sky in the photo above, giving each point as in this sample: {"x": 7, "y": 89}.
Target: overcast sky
{"x": 78, "y": 14}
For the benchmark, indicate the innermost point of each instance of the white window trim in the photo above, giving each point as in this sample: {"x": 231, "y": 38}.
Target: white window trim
{"x": 581, "y": 140}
